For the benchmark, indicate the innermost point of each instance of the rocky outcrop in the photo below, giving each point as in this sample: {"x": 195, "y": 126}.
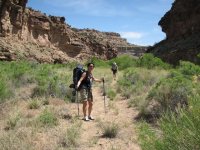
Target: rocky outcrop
{"x": 134, "y": 50}
{"x": 101, "y": 40}
{"x": 29, "y": 34}
{"x": 182, "y": 27}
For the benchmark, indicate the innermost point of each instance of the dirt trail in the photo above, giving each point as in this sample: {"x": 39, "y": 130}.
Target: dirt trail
{"x": 118, "y": 113}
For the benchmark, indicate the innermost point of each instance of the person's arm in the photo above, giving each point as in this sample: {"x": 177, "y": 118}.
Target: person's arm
{"x": 81, "y": 79}
{"x": 98, "y": 80}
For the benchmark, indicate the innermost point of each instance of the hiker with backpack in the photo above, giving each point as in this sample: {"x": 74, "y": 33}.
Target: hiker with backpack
{"x": 85, "y": 86}
{"x": 114, "y": 69}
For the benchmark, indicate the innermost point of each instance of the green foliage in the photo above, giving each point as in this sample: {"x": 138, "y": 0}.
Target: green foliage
{"x": 179, "y": 130}
{"x": 137, "y": 101}
{"x": 137, "y": 81}
{"x": 124, "y": 61}
{"x": 188, "y": 68}
{"x": 169, "y": 94}
{"x": 51, "y": 79}
{"x": 5, "y": 91}
{"x": 147, "y": 137}
{"x": 110, "y": 130}
{"x": 150, "y": 62}
{"x": 45, "y": 102}
{"x": 16, "y": 140}
{"x": 99, "y": 62}
{"x": 47, "y": 118}
{"x": 50, "y": 83}
{"x": 72, "y": 137}
{"x": 111, "y": 94}
{"x": 12, "y": 121}
{"x": 17, "y": 72}
{"x": 12, "y": 75}
{"x": 34, "y": 104}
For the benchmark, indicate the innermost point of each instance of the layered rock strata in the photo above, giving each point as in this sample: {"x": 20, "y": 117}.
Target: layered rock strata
{"x": 182, "y": 27}
{"x": 29, "y": 34}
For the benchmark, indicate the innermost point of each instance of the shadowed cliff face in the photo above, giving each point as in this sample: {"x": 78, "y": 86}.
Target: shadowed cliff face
{"x": 182, "y": 27}
{"x": 26, "y": 33}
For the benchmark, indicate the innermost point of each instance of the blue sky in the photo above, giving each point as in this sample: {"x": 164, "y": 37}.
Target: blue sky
{"x": 135, "y": 20}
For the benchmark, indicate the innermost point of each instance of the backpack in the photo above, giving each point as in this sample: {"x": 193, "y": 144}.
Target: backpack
{"x": 114, "y": 66}
{"x": 77, "y": 73}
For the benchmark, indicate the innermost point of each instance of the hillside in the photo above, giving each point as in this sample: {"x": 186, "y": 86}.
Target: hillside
{"x": 29, "y": 34}
{"x": 181, "y": 25}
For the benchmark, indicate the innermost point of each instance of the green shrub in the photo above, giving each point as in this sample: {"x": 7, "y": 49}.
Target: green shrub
{"x": 150, "y": 62}
{"x": 124, "y": 61}
{"x": 178, "y": 130}
{"x": 111, "y": 94}
{"x": 110, "y": 130}
{"x": 19, "y": 72}
{"x": 12, "y": 121}
{"x": 47, "y": 118}
{"x": 99, "y": 62}
{"x": 188, "y": 68}
{"x": 168, "y": 94}
{"x": 138, "y": 101}
{"x": 72, "y": 137}
{"x": 45, "y": 102}
{"x": 34, "y": 104}
{"x": 5, "y": 91}
{"x": 138, "y": 81}
{"x": 51, "y": 79}
{"x": 147, "y": 137}
{"x": 51, "y": 84}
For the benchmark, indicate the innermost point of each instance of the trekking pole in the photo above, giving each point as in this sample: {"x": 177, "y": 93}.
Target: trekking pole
{"x": 104, "y": 94}
{"x": 77, "y": 101}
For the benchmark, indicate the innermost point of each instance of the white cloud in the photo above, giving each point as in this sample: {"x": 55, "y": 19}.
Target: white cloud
{"x": 131, "y": 35}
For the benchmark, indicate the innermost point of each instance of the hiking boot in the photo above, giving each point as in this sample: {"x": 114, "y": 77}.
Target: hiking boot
{"x": 91, "y": 118}
{"x": 86, "y": 118}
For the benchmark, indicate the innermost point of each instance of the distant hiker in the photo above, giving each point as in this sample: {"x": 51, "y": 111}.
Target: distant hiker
{"x": 114, "y": 69}
{"x": 85, "y": 86}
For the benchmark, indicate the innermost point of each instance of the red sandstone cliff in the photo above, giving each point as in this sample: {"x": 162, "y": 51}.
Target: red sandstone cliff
{"x": 182, "y": 27}
{"x": 29, "y": 34}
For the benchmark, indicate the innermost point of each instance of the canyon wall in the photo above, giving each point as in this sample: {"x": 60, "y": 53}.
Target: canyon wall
{"x": 182, "y": 27}
{"x": 29, "y": 34}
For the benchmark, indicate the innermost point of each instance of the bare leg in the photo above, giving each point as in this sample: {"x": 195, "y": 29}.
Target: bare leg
{"x": 90, "y": 108}
{"x": 84, "y": 108}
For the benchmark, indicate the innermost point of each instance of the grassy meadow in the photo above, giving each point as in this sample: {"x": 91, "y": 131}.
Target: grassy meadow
{"x": 166, "y": 97}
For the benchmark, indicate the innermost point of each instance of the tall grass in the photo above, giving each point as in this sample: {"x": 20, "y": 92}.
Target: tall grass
{"x": 72, "y": 136}
{"x": 169, "y": 94}
{"x": 109, "y": 130}
{"x": 177, "y": 132}
{"x": 47, "y": 118}
{"x": 20, "y": 140}
{"x": 137, "y": 81}
{"x": 5, "y": 91}
{"x": 50, "y": 79}
{"x": 175, "y": 99}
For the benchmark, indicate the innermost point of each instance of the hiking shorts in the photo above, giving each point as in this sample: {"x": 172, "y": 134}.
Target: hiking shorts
{"x": 86, "y": 95}
{"x": 114, "y": 71}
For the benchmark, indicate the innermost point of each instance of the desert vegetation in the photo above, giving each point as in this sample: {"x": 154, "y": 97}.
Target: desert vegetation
{"x": 35, "y": 101}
